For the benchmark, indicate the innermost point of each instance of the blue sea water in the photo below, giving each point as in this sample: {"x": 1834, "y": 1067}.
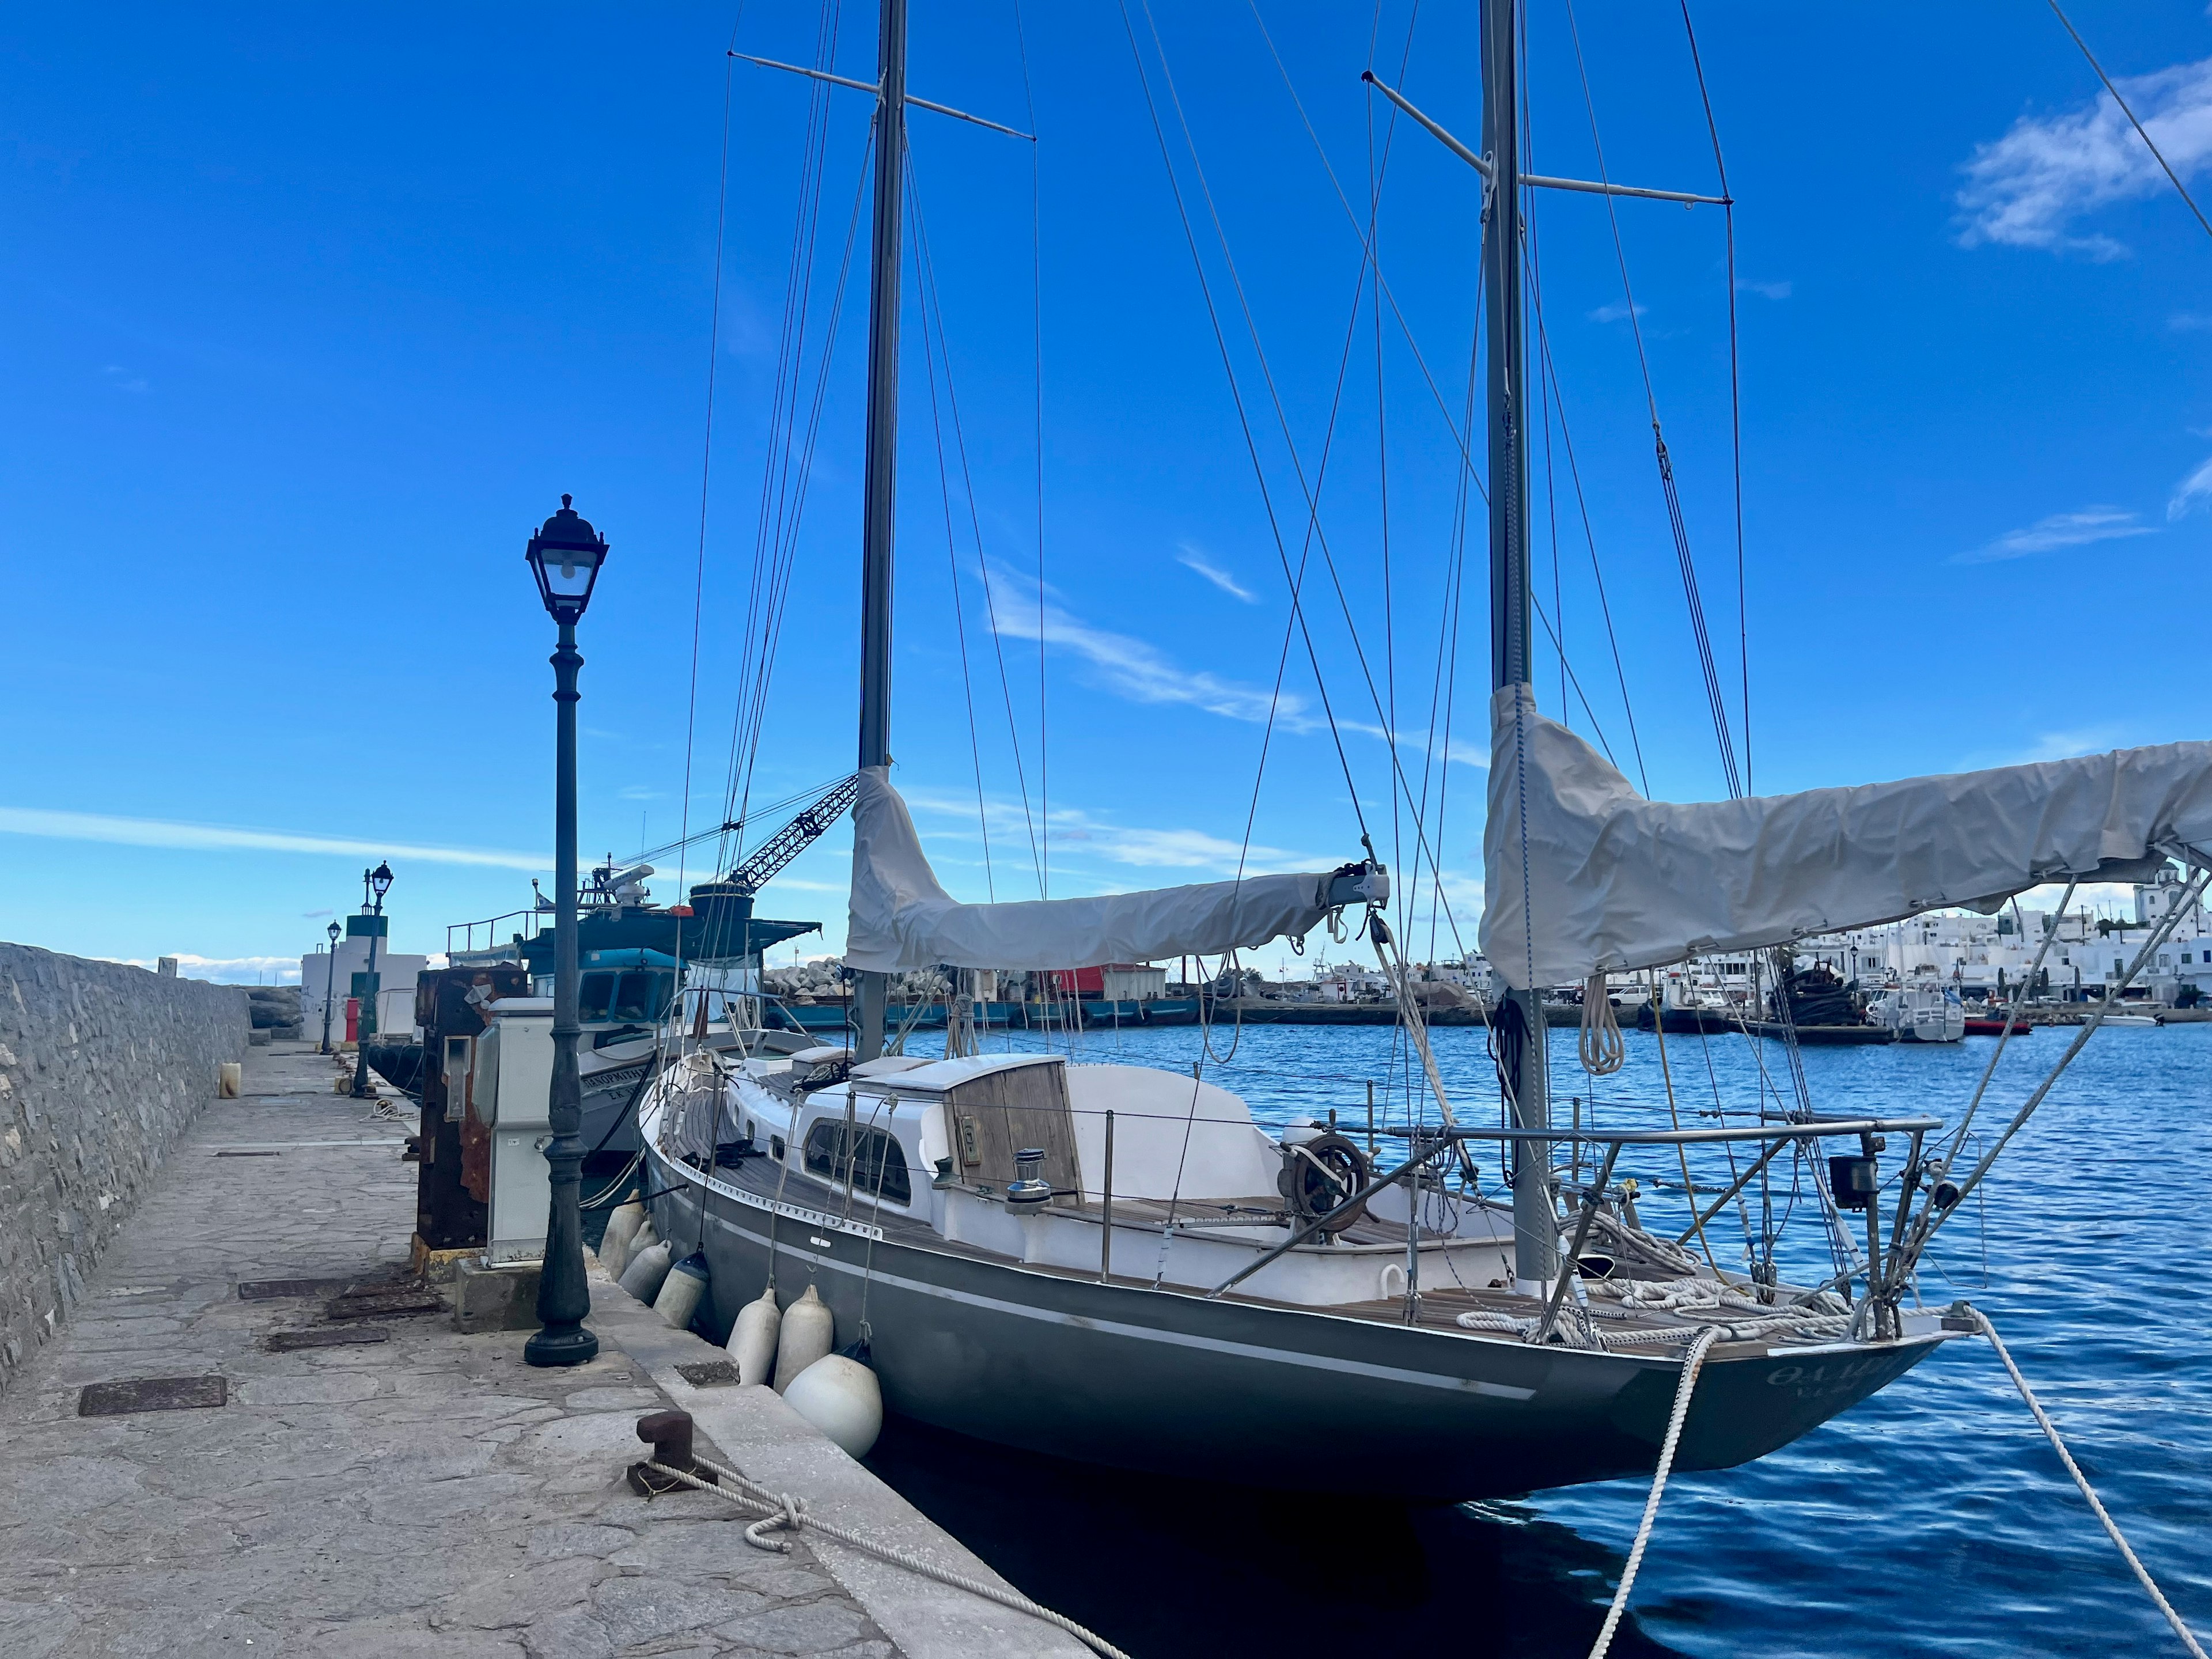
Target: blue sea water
{"x": 1932, "y": 1519}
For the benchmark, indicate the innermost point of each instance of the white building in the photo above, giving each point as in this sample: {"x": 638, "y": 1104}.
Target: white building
{"x": 395, "y": 1002}
{"x": 1986, "y": 955}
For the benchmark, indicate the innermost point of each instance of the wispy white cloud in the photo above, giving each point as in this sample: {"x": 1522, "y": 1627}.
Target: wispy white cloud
{"x": 2191, "y": 493}
{"x": 2189, "y": 322}
{"x": 226, "y": 971}
{"x": 1764, "y": 290}
{"x": 1618, "y": 311}
{"x": 2047, "y": 746}
{"x": 2091, "y": 524}
{"x": 1191, "y": 559}
{"x": 2065, "y": 746}
{"x": 122, "y": 380}
{"x": 215, "y": 838}
{"x": 1081, "y": 834}
{"x": 2027, "y": 188}
{"x": 1137, "y": 669}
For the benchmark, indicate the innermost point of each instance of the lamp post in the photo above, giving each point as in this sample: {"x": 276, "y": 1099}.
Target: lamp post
{"x": 376, "y": 881}
{"x": 331, "y": 985}
{"x": 565, "y": 556}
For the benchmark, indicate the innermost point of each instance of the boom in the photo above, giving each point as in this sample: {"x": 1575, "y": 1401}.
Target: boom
{"x": 776, "y": 853}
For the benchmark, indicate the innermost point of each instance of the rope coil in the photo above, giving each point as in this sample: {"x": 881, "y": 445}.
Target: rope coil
{"x": 1603, "y": 1051}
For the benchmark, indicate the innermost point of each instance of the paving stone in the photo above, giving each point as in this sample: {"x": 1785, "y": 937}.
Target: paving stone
{"x": 634, "y": 1610}
{"x": 430, "y": 1497}
{"x": 556, "y": 1543}
{"x": 811, "y": 1627}
{"x": 568, "y": 1636}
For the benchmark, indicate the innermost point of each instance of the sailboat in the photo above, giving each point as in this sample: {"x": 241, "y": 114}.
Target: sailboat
{"x": 1116, "y": 1264}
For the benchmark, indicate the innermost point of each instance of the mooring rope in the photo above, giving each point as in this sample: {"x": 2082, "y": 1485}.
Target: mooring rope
{"x": 2050, "y": 1429}
{"x": 1690, "y": 1364}
{"x": 780, "y": 1512}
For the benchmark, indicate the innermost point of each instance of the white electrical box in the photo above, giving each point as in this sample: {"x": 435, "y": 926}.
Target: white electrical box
{"x": 510, "y": 1090}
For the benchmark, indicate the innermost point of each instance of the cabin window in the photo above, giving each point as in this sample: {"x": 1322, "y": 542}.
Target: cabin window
{"x": 878, "y": 1163}
{"x": 592, "y": 995}
{"x": 637, "y": 996}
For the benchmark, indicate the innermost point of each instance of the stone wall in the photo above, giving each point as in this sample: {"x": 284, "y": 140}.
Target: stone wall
{"x": 102, "y": 1067}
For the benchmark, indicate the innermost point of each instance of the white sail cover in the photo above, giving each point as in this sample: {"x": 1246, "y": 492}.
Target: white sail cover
{"x": 1615, "y": 881}
{"x": 901, "y": 920}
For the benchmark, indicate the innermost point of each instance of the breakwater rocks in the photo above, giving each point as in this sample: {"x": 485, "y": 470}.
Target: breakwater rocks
{"x": 102, "y": 1066}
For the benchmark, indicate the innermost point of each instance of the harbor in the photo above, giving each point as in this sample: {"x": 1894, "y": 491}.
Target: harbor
{"x": 1142, "y": 869}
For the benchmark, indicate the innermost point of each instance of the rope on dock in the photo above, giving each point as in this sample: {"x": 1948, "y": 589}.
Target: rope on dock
{"x": 1691, "y": 1365}
{"x": 780, "y": 1511}
{"x": 2050, "y": 1429}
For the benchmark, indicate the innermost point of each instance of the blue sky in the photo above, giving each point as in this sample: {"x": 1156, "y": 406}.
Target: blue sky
{"x": 309, "y": 316}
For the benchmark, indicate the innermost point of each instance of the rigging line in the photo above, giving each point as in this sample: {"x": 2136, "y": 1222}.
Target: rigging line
{"x": 777, "y": 515}
{"x": 1550, "y": 370}
{"x": 1383, "y": 465}
{"x": 2173, "y": 177}
{"x": 1532, "y": 261}
{"x": 932, "y": 300}
{"x": 791, "y": 343}
{"x": 1404, "y": 328}
{"x": 1236, "y": 397}
{"x": 706, "y": 470}
{"x": 1290, "y": 621}
{"x": 784, "y": 552}
{"x": 951, "y": 553}
{"x": 1572, "y": 679}
{"x": 1453, "y": 613}
{"x": 1735, "y": 386}
{"x": 1282, "y": 420}
{"x": 1676, "y": 524}
{"x": 1037, "y": 381}
{"x": 783, "y": 509}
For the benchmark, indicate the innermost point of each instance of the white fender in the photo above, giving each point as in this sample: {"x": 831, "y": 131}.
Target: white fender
{"x": 647, "y": 1268}
{"x": 621, "y": 1232}
{"x": 842, "y": 1398}
{"x": 752, "y": 1338}
{"x": 809, "y": 1331}
{"x": 681, "y": 1290}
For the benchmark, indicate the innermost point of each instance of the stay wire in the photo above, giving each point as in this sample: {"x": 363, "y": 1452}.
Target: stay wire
{"x": 1282, "y": 419}
{"x": 786, "y": 469}
{"x": 1037, "y": 381}
{"x": 790, "y": 357}
{"x": 2173, "y": 177}
{"x": 1550, "y": 372}
{"x": 706, "y": 466}
{"x": 933, "y": 306}
{"x": 1735, "y": 387}
{"x": 1236, "y": 397}
{"x": 777, "y": 589}
{"x": 1677, "y": 527}
{"x": 929, "y": 354}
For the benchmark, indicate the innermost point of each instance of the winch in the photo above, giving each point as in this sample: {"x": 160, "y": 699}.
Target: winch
{"x": 1321, "y": 1172}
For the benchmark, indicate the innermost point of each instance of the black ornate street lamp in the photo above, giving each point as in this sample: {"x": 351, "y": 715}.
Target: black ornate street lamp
{"x": 331, "y": 985}
{"x": 379, "y": 882}
{"x": 565, "y": 556}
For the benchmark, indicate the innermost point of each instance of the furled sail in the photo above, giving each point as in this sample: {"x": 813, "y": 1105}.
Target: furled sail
{"x": 901, "y": 920}
{"x": 1581, "y": 874}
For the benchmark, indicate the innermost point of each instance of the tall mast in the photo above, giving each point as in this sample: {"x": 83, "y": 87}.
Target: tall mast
{"x": 884, "y": 285}
{"x": 1535, "y": 1229}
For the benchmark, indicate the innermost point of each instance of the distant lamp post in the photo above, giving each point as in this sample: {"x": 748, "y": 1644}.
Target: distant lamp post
{"x": 376, "y": 883}
{"x": 331, "y": 985}
{"x": 565, "y": 556}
